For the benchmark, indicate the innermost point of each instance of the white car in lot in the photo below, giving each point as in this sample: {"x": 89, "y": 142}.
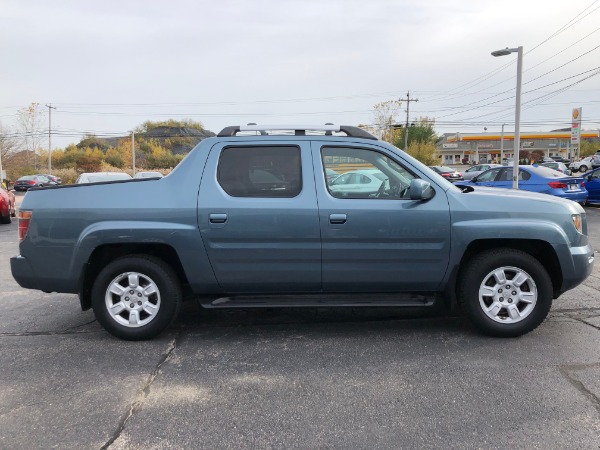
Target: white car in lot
{"x": 99, "y": 177}
{"x": 148, "y": 175}
{"x": 358, "y": 183}
{"x": 585, "y": 164}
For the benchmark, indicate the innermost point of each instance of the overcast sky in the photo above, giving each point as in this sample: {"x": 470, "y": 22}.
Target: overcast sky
{"x": 110, "y": 65}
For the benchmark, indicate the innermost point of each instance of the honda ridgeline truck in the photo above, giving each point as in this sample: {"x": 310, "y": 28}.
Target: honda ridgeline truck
{"x": 319, "y": 216}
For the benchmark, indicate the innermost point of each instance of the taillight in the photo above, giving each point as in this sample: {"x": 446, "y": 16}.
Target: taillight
{"x": 24, "y": 218}
{"x": 582, "y": 183}
{"x": 31, "y": 182}
{"x": 557, "y": 185}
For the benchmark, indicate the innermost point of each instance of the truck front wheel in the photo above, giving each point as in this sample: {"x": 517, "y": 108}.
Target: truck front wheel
{"x": 505, "y": 292}
{"x": 136, "y": 297}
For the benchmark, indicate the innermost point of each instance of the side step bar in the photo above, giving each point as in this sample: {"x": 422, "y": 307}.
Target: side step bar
{"x": 410, "y": 300}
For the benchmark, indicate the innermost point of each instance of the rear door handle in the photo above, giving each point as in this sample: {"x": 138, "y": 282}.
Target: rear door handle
{"x": 337, "y": 218}
{"x": 217, "y": 218}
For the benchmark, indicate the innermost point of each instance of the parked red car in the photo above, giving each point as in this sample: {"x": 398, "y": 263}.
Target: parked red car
{"x": 7, "y": 206}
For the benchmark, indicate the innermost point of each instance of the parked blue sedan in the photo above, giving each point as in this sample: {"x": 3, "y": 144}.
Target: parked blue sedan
{"x": 535, "y": 179}
{"x": 592, "y": 184}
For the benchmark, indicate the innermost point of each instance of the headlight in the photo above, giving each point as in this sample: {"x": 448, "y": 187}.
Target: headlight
{"x": 577, "y": 222}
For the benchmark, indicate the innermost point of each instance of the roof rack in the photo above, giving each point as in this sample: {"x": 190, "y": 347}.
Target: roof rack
{"x": 299, "y": 130}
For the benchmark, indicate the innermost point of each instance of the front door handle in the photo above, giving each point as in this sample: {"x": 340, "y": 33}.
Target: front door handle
{"x": 217, "y": 218}
{"x": 337, "y": 218}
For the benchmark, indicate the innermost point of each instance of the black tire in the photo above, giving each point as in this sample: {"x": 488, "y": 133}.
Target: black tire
{"x": 5, "y": 219}
{"x": 167, "y": 297}
{"x": 479, "y": 269}
{"x": 583, "y": 169}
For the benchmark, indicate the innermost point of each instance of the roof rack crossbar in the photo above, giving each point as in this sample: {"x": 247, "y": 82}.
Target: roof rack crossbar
{"x": 299, "y": 130}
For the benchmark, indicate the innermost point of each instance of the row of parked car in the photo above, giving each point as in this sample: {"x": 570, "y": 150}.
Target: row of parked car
{"x": 42, "y": 180}
{"x": 550, "y": 177}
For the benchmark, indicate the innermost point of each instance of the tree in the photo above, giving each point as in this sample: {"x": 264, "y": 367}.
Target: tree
{"x": 8, "y": 144}
{"x": 30, "y": 121}
{"x": 185, "y": 123}
{"x": 384, "y": 117}
{"x": 426, "y": 152}
{"x": 91, "y": 141}
{"x": 420, "y": 131}
{"x": 588, "y": 147}
{"x": 8, "y": 141}
{"x": 90, "y": 161}
{"x": 114, "y": 158}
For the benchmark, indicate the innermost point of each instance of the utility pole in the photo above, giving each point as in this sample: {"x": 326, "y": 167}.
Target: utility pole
{"x": 133, "y": 152}
{"x": 408, "y": 100}
{"x": 50, "y": 108}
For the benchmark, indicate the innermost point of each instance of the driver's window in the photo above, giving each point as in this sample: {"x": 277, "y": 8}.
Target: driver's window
{"x": 488, "y": 176}
{"x": 365, "y": 174}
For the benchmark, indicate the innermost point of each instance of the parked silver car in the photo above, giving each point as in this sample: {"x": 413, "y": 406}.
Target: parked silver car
{"x": 477, "y": 169}
{"x": 558, "y": 166}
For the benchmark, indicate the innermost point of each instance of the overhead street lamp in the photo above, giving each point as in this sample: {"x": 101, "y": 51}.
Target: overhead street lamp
{"x": 519, "y": 52}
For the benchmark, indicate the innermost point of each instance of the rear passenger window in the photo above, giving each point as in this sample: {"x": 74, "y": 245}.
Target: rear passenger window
{"x": 523, "y": 176}
{"x": 268, "y": 171}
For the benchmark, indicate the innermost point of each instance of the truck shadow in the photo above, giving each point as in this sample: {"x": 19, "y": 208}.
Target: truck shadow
{"x": 194, "y": 319}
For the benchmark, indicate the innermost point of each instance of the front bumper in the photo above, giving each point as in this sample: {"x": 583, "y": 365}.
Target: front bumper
{"x": 583, "y": 263}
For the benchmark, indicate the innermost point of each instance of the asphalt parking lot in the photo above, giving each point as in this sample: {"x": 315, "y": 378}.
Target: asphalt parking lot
{"x": 296, "y": 378}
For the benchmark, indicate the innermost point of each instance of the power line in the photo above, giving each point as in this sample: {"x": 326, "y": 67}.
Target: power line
{"x": 568, "y": 25}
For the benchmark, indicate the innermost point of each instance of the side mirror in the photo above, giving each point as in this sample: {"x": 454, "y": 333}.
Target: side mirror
{"x": 420, "y": 190}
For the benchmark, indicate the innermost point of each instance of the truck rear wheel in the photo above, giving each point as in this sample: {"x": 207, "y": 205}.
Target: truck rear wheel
{"x": 505, "y": 292}
{"x": 136, "y": 297}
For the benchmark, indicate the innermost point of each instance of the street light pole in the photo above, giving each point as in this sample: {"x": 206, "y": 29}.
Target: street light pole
{"x": 519, "y": 52}
{"x": 50, "y": 108}
{"x": 502, "y": 144}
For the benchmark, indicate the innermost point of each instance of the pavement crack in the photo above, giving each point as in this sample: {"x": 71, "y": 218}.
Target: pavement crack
{"x": 567, "y": 372}
{"x": 584, "y": 322}
{"x": 82, "y": 325}
{"x": 143, "y": 394}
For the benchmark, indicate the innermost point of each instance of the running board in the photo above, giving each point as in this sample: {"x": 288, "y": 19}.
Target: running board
{"x": 410, "y": 300}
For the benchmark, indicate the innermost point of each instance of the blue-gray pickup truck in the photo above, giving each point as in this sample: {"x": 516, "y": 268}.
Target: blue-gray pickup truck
{"x": 317, "y": 216}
